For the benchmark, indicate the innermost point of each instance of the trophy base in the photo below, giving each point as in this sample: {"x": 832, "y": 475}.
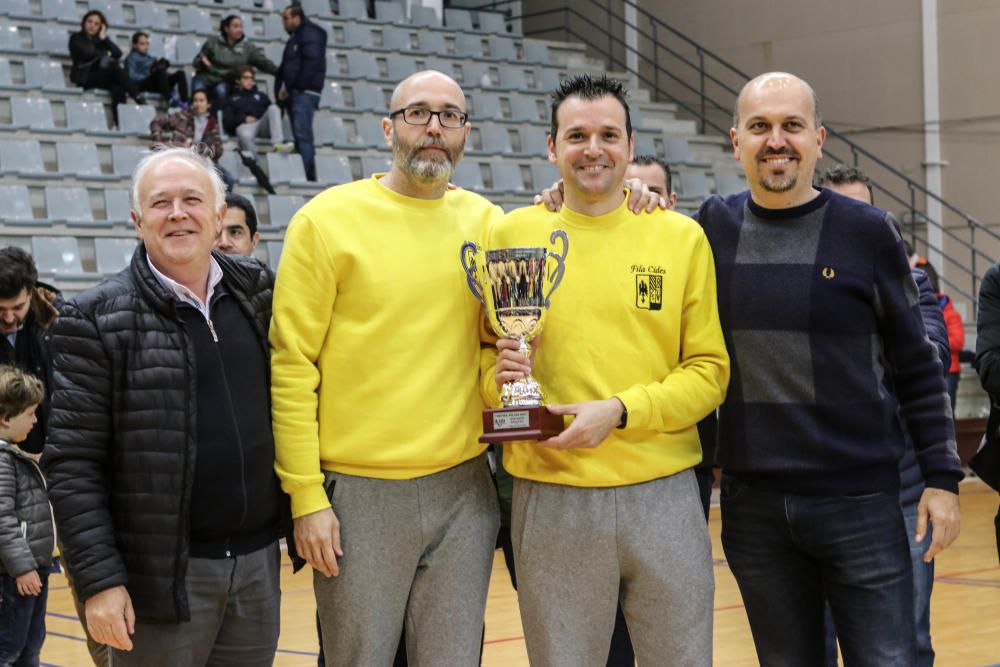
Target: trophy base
{"x": 520, "y": 423}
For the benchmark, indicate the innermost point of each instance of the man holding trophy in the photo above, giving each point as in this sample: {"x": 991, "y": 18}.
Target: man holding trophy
{"x": 376, "y": 396}
{"x": 632, "y": 350}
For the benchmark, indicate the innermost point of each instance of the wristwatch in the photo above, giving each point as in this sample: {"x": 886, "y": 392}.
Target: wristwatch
{"x": 624, "y": 421}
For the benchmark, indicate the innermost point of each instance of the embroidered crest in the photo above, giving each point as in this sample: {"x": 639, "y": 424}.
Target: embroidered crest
{"x": 828, "y": 273}
{"x": 649, "y": 291}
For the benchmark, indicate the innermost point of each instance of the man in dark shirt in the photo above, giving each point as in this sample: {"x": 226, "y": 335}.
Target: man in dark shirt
{"x": 299, "y": 83}
{"x": 823, "y": 326}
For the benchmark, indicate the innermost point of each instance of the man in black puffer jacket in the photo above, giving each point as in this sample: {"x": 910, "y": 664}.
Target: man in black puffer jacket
{"x": 299, "y": 83}
{"x": 160, "y": 454}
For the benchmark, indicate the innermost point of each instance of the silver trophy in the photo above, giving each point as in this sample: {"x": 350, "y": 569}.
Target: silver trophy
{"x": 515, "y": 286}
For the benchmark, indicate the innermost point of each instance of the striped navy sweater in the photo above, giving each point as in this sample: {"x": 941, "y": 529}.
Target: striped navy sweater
{"x": 826, "y": 341}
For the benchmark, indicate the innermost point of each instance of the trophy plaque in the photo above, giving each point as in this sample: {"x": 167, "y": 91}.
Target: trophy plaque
{"x": 515, "y": 286}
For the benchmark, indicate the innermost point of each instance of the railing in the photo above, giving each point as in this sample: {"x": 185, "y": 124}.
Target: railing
{"x": 701, "y": 84}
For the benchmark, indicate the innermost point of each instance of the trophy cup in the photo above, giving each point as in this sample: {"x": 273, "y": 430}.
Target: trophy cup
{"x": 515, "y": 285}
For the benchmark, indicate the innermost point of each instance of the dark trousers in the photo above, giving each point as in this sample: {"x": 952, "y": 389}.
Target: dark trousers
{"x": 789, "y": 553}
{"x": 301, "y": 109}
{"x": 162, "y": 82}
{"x": 22, "y": 623}
{"x": 113, "y": 79}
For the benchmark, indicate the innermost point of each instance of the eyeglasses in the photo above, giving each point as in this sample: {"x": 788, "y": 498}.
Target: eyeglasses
{"x": 420, "y": 116}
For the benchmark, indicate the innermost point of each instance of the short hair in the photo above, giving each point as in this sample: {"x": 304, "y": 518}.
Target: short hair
{"x": 137, "y": 36}
{"x": 294, "y": 10}
{"x": 244, "y": 204}
{"x": 17, "y": 272}
{"x": 190, "y": 155}
{"x": 203, "y": 92}
{"x": 845, "y": 174}
{"x": 19, "y": 390}
{"x": 587, "y": 87}
{"x": 243, "y": 69}
{"x": 224, "y": 23}
{"x": 93, "y": 12}
{"x": 645, "y": 160}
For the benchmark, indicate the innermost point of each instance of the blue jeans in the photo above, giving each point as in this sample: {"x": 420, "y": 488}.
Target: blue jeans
{"x": 789, "y": 553}
{"x": 923, "y": 583}
{"x": 22, "y": 623}
{"x": 301, "y": 109}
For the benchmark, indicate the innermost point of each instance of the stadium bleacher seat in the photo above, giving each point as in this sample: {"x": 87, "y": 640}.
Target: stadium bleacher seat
{"x": 458, "y": 19}
{"x": 728, "y": 183}
{"x": 124, "y": 158}
{"x": 424, "y": 17}
{"x": 543, "y": 175}
{"x": 332, "y": 96}
{"x": 535, "y": 52}
{"x": 399, "y": 66}
{"x": 68, "y": 204}
{"x": 24, "y": 157}
{"x": 34, "y": 113}
{"x": 281, "y": 208}
{"x": 286, "y": 169}
{"x": 16, "y": 204}
{"x": 333, "y": 169}
{"x": 274, "y": 249}
{"x": 57, "y": 255}
{"x": 134, "y": 119}
{"x": 10, "y": 40}
{"x": 502, "y": 48}
{"x": 369, "y": 131}
{"x": 16, "y": 8}
{"x": 492, "y": 23}
{"x": 80, "y": 159}
{"x": 430, "y": 42}
{"x": 330, "y": 131}
{"x": 389, "y": 12}
{"x": 361, "y": 65}
{"x": 151, "y": 15}
{"x": 495, "y": 139}
{"x": 507, "y": 177}
{"x": 374, "y": 165}
{"x": 469, "y": 175}
{"x": 116, "y": 206}
{"x": 197, "y": 21}
{"x": 50, "y": 40}
{"x": 47, "y": 75}
{"x": 113, "y": 254}
{"x": 353, "y": 9}
{"x": 369, "y": 97}
{"x": 88, "y": 117}
{"x": 694, "y": 185}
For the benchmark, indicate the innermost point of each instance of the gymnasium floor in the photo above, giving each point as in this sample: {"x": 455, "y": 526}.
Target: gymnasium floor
{"x": 965, "y": 621}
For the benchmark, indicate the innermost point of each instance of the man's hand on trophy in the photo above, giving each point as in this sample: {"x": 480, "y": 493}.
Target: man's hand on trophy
{"x": 317, "y": 539}
{"x": 592, "y": 422}
{"x": 640, "y": 197}
{"x": 511, "y": 364}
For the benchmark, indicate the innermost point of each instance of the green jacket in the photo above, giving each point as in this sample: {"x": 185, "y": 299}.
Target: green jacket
{"x": 226, "y": 59}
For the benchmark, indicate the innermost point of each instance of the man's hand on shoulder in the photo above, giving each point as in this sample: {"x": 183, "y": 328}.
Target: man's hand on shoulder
{"x": 110, "y": 618}
{"x": 317, "y": 539}
{"x": 942, "y": 508}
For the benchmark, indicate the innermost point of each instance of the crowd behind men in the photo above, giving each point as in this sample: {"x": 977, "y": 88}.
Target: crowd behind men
{"x": 170, "y": 379}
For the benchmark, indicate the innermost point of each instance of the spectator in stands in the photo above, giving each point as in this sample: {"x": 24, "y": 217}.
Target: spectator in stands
{"x": 299, "y": 83}
{"x": 809, "y": 444}
{"x": 239, "y": 233}
{"x": 218, "y": 62}
{"x": 654, "y": 172}
{"x": 95, "y": 62}
{"x": 151, "y": 418}
{"x": 249, "y": 112}
{"x": 988, "y": 366}
{"x": 956, "y": 339}
{"x": 193, "y": 128}
{"x": 151, "y": 74}
{"x": 854, "y": 183}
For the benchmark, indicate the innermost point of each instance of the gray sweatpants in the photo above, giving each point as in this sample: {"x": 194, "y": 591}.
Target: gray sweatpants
{"x": 416, "y": 551}
{"x": 578, "y": 551}
{"x": 235, "y": 608}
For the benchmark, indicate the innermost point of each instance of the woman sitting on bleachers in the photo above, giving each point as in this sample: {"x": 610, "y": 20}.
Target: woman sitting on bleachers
{"x": 95, "y": 61}
{"x": 196, "y": 128}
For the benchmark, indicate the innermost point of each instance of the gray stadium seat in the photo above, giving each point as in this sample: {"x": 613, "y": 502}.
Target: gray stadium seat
{"x": 677, "y": 150}
{"x": 125, "y": 158}
{"x": 5, "y": 79}
{"x": 396, "y": 38}
{"x": 374, "y": 165}
{"x": 86, "y": 116}
{"x": 492, "y": 23}
{"x": 361, "y": 65}
{"x": 507, "y": 177}
{"x": 151, "y": 15}
{"x": 512, "y": 77}
{"x": 113, "y": 255}
{"x": 502, "y": 48}
{"x": 330, "y": 131}
{"x": 134, "y": 119}
{"x": 273, "y": 28}
{"x": 353, "y": 9}
{"x": 70, "y": 204}
{"x": 526, "y": 108}
{"x": 400, "y": 66}
{"x": 18, "y": 8}
{"x": 694, "y": 185}
{"x": 274, "y": 249}
{"x": 645, "y": 144}
{"x": 534, "y": 140}
{"x": 485, "y": 106}
{"x": 196, "y": 21}
{"x": 332, "y": 97}
{"x": 50, "y": 40}
{"x": 472, "y": 74}
{"x": 286, "y": 169}
{"x": 470, "y": 45}
{"x": 16, "y": 204}
{"x": 543, "y": 175}
{"x": 56, "y": 255}
{"x": 317, "y": 8}
{"x": 459, "y": 20}
{"x": 729, "y": 183}
{"x": 333, "y": 169}
{"x": 469, "y": 175}
{"x": 274, "y": 52}
{"x": 369, "y": 131}
{"x": 112, "y": 10}
{"x": 351, "y": 34}
{"x": 23, "y": 156}
{"x": 34, "y": 113}
{"x": 430, "y": 41}
{"x": 424, "y": 17}
{"x": 10, "y": 40}
{"x": 495, "y": 139}
{"x": 80, "y": 159}
{"x": 45, "y": 74}
{"x": 187, "y": 48}
{"x": 535, "y": 52}
{"x": 369, "y": 97}
{"x": 547, "y": 79}
{"x": 116, "y": 206}
{"x": 281, "y": 208}
{"x": 389, "y": 12}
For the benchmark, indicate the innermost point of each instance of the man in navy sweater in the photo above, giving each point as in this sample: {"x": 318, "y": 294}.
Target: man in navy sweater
{"x": 823, "y": 327}
{"x": 299, "y": 83}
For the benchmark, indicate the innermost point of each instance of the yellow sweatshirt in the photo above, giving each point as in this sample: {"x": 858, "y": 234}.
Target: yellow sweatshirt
{"x": 375, "y": 338}
{"x": 635, "y": 317}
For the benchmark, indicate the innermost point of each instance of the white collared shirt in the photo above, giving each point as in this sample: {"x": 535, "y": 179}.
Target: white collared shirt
{"x": 187, "y": 296}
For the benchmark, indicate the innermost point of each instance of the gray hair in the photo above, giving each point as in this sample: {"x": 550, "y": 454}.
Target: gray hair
{"x": 162, "y": 153}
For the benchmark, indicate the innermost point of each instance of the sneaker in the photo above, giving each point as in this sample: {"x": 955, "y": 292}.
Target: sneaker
{"x": 140, "y": 99}
{"x": 287, "y": 147}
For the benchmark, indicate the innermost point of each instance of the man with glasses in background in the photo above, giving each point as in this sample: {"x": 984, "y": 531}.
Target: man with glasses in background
{"x": 377, "y": 350}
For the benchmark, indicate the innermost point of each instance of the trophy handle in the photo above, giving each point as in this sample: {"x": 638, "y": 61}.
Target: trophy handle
{"x": 557, "y": 272}
{"x": 470, "y": 270}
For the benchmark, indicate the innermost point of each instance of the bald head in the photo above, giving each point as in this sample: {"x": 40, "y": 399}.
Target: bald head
{"x": 423, "y": 86}
{"x": 775, "y": 81}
